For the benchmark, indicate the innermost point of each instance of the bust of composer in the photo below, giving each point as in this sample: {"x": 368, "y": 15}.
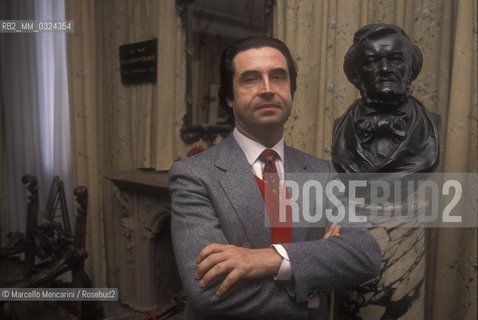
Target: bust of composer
{"x": 386, "y": 130}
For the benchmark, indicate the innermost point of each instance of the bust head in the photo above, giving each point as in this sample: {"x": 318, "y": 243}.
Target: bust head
{"x": 382, "y": 63}
{"x": 386, "y": 130}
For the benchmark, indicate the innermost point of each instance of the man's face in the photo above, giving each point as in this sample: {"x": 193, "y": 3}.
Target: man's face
{"x": 385, "y": 68}
{"x": 261, "y": 84}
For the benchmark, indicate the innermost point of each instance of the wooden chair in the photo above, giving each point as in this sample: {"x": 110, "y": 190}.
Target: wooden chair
{"x": 57, "y": 203}
{"x": 65, "y": 253}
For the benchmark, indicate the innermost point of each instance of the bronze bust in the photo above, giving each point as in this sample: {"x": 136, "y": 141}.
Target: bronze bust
{"x": 387, "y": 130}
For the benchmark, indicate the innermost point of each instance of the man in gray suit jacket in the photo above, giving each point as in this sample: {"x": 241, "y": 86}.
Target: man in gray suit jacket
{"x": 230, "y": 265}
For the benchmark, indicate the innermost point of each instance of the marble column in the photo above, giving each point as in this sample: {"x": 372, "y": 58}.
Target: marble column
{"x": 398, "y": 293}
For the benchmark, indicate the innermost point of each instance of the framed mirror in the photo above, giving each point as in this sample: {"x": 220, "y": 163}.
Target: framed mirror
{"x": 210, "y": 26}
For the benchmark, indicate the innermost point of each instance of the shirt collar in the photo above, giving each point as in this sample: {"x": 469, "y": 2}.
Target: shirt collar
{"x": 253, "y": 149}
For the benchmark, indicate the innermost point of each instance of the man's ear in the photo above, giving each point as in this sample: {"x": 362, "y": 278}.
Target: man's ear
{"x": 229, "y": 102}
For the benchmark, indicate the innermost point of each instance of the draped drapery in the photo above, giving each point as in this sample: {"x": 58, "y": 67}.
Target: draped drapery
{"x": 4, "y": 220}
{"x": 85, "y": 118}
{"x": 143, "y": 120}
{"x": 319, "y": 34}
{"x": 118, "y": 127}
{"x": 35, "y": 114}
{"x": 453, "y": 253}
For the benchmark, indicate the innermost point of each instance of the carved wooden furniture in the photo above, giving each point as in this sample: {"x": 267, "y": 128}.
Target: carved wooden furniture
{"x": 52, "y": 242}
{"x": 57, "y": 202}
{"x": 147, "y": 274}
{"x": 32, "y": 218}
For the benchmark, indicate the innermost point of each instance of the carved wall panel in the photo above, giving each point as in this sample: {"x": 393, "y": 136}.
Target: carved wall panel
{"x": 147, "y": 269}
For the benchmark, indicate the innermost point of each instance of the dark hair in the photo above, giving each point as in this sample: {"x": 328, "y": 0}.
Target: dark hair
{"x": 377, "y": 31}
{"x": 226, "y": 67}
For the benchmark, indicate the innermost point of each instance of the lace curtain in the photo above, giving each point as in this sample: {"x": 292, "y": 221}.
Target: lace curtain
{"x": 36, "y": 123}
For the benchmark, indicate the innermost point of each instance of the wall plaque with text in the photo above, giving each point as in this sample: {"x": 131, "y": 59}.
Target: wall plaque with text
{"x": 138, "y": 62}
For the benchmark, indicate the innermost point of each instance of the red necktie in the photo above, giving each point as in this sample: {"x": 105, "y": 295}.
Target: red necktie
{"x": 280, "y": 231}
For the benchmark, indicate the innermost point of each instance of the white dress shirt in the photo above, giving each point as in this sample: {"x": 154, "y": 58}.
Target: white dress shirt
{"x": 253, "y": 149}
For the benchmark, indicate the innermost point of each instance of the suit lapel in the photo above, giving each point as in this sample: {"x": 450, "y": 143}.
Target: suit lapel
{"x": 296, "y": 164}
{"x": 242, "y": 190}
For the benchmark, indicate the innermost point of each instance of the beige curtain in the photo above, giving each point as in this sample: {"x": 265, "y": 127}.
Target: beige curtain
{"x": 4, "y": 224}
{"x": 319, "y": 34}
{"x": 118, "y": 127}
{"x": 453, "y": 253}
{"x": 86, "y": 143}
{"x": 141, "y": 121}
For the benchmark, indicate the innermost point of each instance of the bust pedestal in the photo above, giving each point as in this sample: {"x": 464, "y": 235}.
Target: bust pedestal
{"x": 399, "y": 291}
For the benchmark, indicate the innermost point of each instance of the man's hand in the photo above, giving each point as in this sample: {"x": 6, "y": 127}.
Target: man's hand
{"x": 333, "y": 230}
{"x": 237, "y": 262}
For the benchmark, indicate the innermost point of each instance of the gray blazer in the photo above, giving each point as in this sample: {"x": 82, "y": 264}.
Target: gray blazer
{"x": 215, "y": 198}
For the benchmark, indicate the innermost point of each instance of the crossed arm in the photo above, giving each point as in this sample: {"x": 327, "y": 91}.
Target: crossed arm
{"x": 237, "y": 263}
{"x": 236, "y": 280}
{"x": 194, "y": 227}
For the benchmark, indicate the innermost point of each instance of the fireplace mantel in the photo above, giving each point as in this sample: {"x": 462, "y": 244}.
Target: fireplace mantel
{"x": 145, "y": 264}
{"x": 149, "y": 180}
